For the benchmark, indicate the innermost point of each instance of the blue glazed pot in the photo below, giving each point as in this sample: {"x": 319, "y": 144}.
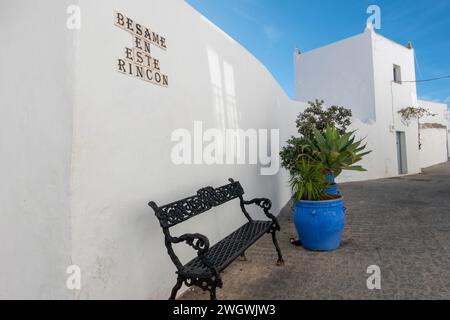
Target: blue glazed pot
{"x": 320, "y": 224}
{"x": 333, "y": 189}
{"x": 330, "y": 177}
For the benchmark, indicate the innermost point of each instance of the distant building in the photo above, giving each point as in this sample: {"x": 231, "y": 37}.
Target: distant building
{"x": 375, "y": 77}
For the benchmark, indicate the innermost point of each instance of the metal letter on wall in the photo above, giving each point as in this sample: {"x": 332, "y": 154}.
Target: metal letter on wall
{"x": 138, "y": 60}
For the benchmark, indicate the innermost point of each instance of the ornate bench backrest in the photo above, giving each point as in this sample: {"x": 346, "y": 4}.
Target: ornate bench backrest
{"x": 207, "y": 198}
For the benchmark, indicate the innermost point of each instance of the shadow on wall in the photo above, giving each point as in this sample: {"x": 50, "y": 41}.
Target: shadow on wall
{"x": 224, "y": 91}
{"x": 256, "y": 146}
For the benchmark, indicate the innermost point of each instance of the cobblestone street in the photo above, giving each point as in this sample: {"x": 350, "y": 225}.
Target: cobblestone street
{"x": 400, "y": 224}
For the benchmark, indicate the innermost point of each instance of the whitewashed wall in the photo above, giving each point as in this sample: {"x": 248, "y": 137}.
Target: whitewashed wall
{"x": 36, "y": 100}
{"x": 448, "y": 140}
{"x": 341, "y": 74}
{"x": 434, "y": 140}
{"x": 122, "y": 146}
{"x": 391, "y": 98}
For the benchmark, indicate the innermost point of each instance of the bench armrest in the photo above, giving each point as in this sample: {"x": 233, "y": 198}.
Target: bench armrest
{"x": 266, "y": 205}
{"x": 197, "y": 241}
{"x": 201, "y": 244}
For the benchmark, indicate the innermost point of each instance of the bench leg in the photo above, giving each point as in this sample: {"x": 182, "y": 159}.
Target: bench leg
{"x": 295, "y": 242}
{"x": 175, "y": 289}
{"x": 212, "y": 293}
{"x": 280, "y": 261}
{"x": 242, "y": 257}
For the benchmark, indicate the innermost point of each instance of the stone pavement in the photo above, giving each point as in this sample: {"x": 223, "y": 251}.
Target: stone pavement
{"x": 400, "y": 224}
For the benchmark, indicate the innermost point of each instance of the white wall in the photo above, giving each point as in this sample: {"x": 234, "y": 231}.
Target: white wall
{"x": 448, "y": 132}
{"x": 341, "y": 74}
{"x": 434, "y": 140}
{"x": 391, "y": 98}
{"x": 122, "y": 147}
{"x": 36, "y": 90}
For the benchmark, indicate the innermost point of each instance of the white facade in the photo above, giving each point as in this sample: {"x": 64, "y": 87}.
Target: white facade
{"x": 37, "y": 97}
{"x": 448, "y": 132}
{"x": 358, "y": 73}
{"x": 434, "y": 134}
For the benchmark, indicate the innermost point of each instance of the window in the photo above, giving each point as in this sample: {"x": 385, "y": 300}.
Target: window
{"x": 397, "y": 74}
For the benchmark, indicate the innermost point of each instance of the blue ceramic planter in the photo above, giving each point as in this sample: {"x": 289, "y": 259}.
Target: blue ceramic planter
{"x": 333, "y": 189}
{"x": 320, "y": 224}
{"x": 330, "y": 177}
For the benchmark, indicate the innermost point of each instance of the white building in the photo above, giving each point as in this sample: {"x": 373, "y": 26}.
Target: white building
{"x": 375, "y": 78}
{"x": 85, "y": 147}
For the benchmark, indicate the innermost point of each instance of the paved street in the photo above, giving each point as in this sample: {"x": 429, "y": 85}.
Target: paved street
{"x": 400, "y": 224}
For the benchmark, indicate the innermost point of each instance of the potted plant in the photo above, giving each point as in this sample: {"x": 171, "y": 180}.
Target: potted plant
{"x": 314, "y": 118}
{"x": 318, "y": 216}
{"x": 319, "y": 208}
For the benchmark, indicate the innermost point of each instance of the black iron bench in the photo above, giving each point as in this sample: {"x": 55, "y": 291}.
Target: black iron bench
{"x": 204, "y": 270}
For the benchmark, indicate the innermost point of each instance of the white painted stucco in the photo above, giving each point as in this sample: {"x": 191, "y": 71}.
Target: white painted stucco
{"x": 448, "y": 132}
{"x": 390, "y": 98}
{"x": 434, "y": 140}
{"x": 341, "y": 74}
{"x": 36, "y": 91}
{"x": 122, "y": 147}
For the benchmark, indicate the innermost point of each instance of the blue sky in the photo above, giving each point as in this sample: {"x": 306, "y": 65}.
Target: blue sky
{"x": 271, "y": 29}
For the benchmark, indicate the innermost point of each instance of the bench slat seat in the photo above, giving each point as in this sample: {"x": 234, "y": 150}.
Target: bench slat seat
{"x": 204, "y": 270}
{"x": 222, "y": 254}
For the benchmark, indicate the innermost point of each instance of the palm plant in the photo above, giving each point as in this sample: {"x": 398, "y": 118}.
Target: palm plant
{"x": 336, "y": 151}
{"x": 308, "y": 181}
